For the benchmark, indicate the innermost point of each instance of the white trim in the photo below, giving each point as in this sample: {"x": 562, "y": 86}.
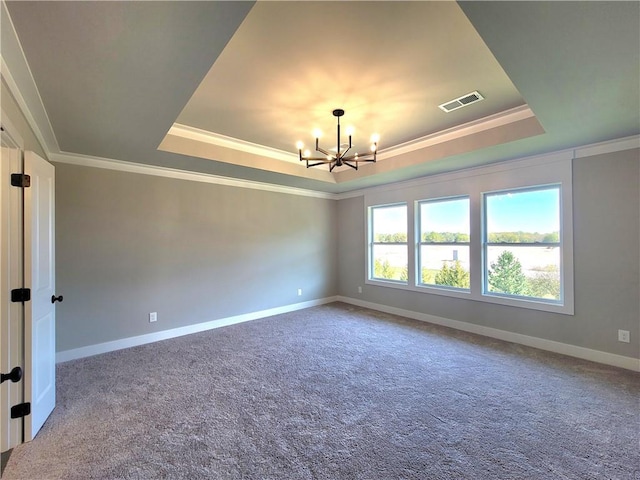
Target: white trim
{"x": 492, "y": 121}
{"x": 11, "y": 136}
{"x": 612, "y": 146}
{"x": 114, "y": 345}
{"x": 480, "y": 170}
{"x": 532, "y": 172}
{"x": 32, "y": 104}
{"x": 618, "y": 145}
{"x": 454, "y": 133}
{"x": 598, "y": 356}
{"x": 122, "y": 166}
{"x": 579, "y": 152}
{"x": 204, "y": 136}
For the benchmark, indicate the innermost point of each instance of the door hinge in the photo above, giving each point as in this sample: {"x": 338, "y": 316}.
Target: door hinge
{"x": 21, "y": 295}
{"x": 20, "y": 180}
{"x": 21, "y": 410}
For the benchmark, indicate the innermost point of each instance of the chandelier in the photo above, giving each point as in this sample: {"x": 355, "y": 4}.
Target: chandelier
{"x": 340, "y": 156}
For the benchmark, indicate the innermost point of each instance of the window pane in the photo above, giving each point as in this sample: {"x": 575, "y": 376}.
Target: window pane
{"x": 390, "y": 262}
{"x": 389, "y": 227}
{"x": 390, "y": 223}
{"x": 444, "y": 220}
{"x": 445, "y": 265}
{"x": 529, "y": 271}
{"x": 528, "y": 216}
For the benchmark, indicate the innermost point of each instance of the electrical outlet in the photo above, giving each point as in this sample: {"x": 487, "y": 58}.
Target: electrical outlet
{"x": 359, "y": 289}
{"x": 299, "y": 292}
{"x": 153, "y": 317}
{"x": 623, "y": 336}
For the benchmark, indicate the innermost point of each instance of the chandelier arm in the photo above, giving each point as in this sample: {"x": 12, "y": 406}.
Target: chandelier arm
{"x": 344, "y": 154}
{"x": 355, "y": 167}
{"x": 321, "y": 162}
{"x": 360, "y": 158}
{"x": 322, "y": 150}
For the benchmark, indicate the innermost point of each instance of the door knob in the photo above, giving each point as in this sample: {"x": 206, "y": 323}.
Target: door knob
{"x": 54, "y": 299}
{"x": 14, "y": 375}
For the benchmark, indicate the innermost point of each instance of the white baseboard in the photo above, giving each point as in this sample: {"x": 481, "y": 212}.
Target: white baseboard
{"x": 628, "y": 363}
{"x": 105, "y": 347}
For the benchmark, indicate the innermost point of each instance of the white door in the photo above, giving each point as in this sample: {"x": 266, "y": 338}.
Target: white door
{"x": 40, "y": 315}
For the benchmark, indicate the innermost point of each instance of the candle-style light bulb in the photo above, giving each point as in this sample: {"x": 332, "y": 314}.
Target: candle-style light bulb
{"x": 300, "y": 145}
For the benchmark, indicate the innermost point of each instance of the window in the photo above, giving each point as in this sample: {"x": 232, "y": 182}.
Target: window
{"x": 522, "y": 244}
{"x": 500, "y": 234}
{"x": 443, "y": 250}
{"x": 388, "y": 257}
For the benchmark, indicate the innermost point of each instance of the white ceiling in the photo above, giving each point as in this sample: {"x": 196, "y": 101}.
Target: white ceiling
{"x": 228, "y": 88}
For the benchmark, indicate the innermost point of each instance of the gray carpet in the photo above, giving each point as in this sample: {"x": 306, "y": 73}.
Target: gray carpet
{"x": 336, "y": 392}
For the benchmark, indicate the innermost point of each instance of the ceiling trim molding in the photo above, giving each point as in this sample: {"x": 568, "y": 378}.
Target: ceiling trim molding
{"x": 130, "y": 167}
{"x": 627, "y": 143}
{"x": 13, "y": 63}
{"x": 454, "y": 133}
{"x": 612, "y": 146}
{"x": 464, "y": 173}
{"x": 199, "y": 135}
{"x": 497, "y": 120}
{"x": 10, "y": 134}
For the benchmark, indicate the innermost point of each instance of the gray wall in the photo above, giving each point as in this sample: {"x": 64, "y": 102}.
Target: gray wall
{"x": 606, "y": 214}
{"x": 128, "y": 244}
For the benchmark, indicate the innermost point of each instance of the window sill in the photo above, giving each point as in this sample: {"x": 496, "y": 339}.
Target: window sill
{"x": 529, "y": 304}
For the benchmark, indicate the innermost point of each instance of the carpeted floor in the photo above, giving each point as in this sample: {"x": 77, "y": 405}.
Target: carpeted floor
{"x": 336, "y": 392}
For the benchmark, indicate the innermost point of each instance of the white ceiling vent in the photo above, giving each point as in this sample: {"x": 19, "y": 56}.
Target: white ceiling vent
{"x": 460, "y": 102}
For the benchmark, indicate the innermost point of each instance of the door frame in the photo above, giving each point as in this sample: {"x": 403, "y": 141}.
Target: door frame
{"x": 11, "y": 276}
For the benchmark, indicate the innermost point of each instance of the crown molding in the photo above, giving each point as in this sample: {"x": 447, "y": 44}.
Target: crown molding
{"x": 15, "y": 70}
{"x": 611, "y": 146}
{"x": 130, "y": 167}
{"x": 618, "y": 145}
{"x": 454, "y": 133}
{"x": 493, "y": 121}
{"x": 199, "y": 135}
{"x": 10, "y": 134}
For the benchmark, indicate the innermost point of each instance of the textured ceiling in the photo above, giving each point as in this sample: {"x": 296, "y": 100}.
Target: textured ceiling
{"x": 114, "y": 78}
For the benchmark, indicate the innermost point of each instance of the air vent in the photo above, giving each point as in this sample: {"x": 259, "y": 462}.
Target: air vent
{"x": 460, "y": 102}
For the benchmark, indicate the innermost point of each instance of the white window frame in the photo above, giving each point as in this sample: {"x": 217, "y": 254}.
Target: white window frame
{"x": 553, "y": 169}
{"x": 486, "y": 244}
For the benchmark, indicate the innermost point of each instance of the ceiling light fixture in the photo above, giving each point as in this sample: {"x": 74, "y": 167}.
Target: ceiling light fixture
{"x": 340, "y": 156}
